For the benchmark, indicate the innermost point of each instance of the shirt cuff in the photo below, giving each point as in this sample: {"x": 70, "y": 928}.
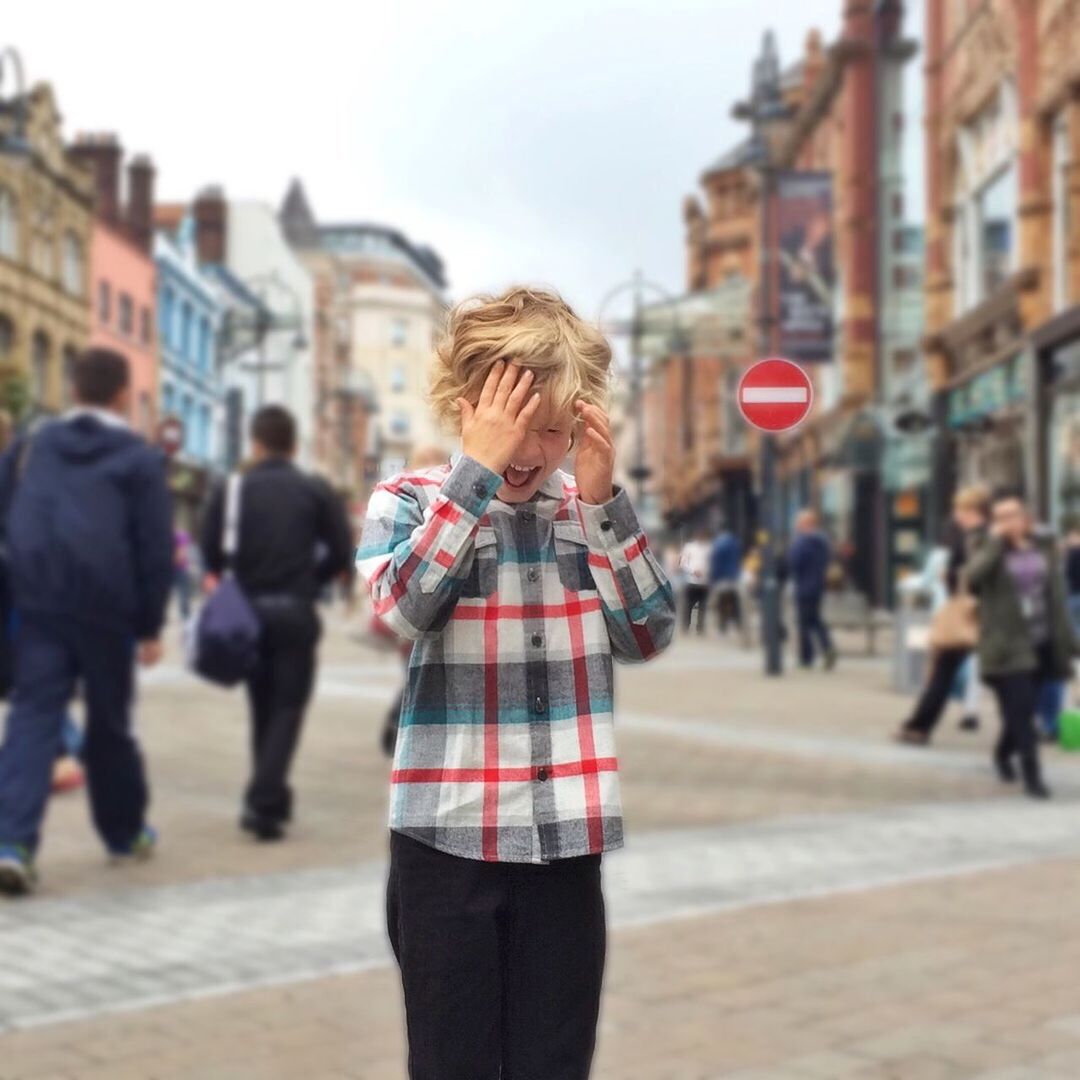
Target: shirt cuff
{"x": 610, "y": 525}
{"x": 471, "y": 486}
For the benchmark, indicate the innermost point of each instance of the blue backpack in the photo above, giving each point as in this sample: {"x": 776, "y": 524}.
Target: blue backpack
{"x": 224, "y": 638}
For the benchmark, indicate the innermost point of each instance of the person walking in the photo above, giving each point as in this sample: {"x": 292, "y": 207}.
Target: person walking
{"x": 88, "y": 524}
{"x": 694, "y": 564}
{"x": 725, "y": 567}
{"x": 1025, "y": 636}
{"x": 520, "y": 586}
{"x": 294, "y": 538}
{"x": 967, "y": 528}
{"x": 808, "y": 565}
{"x": 182, "y": 570}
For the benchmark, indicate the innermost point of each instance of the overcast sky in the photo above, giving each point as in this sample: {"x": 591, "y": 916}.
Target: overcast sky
{"x": 545, "y": 142}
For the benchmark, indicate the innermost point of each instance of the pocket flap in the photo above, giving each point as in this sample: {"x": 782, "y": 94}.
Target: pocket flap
{"x": 571, "y": 531}
{"x": 485, "y": 537}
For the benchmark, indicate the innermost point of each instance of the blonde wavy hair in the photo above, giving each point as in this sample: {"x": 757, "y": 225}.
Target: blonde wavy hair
{"x": 535, "y": 328}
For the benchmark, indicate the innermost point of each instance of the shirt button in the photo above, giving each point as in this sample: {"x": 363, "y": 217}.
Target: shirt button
{"x": 479, "y": 489}
{"x": 527, "y": 515}
{"x": 538, "y": 640}
{"x": 538, "y": 704}
{"x": 533, "y": 574}
{"x": 605, "y": 525}
{"x": 541, "y": 774}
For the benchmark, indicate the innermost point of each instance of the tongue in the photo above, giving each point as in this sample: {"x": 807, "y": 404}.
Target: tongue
{"x": 517, "y": 479}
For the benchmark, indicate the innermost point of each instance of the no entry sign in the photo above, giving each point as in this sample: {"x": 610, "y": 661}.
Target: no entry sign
{"x": 775, "y": 395}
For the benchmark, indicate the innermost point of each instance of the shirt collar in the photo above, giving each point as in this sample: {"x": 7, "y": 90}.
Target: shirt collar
{"x": 107, "y": 417}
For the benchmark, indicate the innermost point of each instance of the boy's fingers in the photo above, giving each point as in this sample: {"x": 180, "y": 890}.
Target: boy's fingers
{"x": 517, "y": 396}
{"x": 466, "y": 409}
{"x": 594, "y": 415}
{"x": 599, "y": 437}
{"x": 506, "y": 385}
{"x": 491, "y": 383}
{"x": 528, "y": 411}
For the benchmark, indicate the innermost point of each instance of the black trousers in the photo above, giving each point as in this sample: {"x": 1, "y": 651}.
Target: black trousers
{"x": 1018, "y": 700}
{"x": 946, "y": 665}
{"x": 812, "y": 627}
{"x": 279, "y": 689}
{"x": 695, "y": 596}
{"x": 501, "y": 963}
{"x": 728, "y": 608}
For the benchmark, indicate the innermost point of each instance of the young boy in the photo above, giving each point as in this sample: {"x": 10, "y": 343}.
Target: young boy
{"x": 518, "y": 587}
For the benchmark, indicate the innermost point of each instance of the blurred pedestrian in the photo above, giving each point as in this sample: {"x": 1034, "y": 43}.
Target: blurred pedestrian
{"x": 520, "y": 587}
{"x": 182, "y": 570}
{"x": 694, "y": 564}
{"x": 294, "y": 538}
{"x": 725, "y": 568}
{"x": 808, "y": 561}
{"x": 1025, "y": 636}
{"x": 87, "y": 520}
{"x": 1072, "y": 571}
{"x": 967, "y": 529}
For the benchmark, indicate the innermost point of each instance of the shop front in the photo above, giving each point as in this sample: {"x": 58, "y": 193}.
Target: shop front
{"x": 1057, "y": 350}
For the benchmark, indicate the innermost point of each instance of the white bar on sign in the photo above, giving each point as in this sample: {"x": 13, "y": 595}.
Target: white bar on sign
{"x": 774, "y": 395}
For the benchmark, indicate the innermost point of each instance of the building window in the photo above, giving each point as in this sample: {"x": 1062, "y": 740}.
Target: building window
{"x": 168, "y": 400}
{"x": 204, "y": 344}
{"x": 399, "y": 332}
{"x": 42, "y": 258}
{"x": 397, "y": 378}
{"x": 146, "y": 415}
{"x": 72, "y": 265}
{"x": 104, "y": 302}
{"x": 204, "y": 432}
{"x": 187, "y": 418}
{"x": 185, "y": 330}
{"x": 1062, "y": 162}
{"x": 7, "y": 338}
{"x": 399, "y": 423}
{"x": 67, "y": 388}
{"x": 9, "y": 224}
{"x": 126, "y": 312}
{"x": 165, "y": 317}
{"x": 39, "y": 367}
{"x": 146, "y": 329}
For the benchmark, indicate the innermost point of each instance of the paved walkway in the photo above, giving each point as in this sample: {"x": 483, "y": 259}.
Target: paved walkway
{"x": 798, "y": 898}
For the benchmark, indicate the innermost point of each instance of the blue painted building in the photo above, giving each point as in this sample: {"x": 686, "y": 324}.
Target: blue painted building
{"x": 188, "y": 316}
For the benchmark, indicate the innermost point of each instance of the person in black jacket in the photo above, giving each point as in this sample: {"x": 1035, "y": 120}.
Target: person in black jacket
{"x": 970, "y": 512}
{"x": 294, "y": 538}
{"x": 88, "y": 526}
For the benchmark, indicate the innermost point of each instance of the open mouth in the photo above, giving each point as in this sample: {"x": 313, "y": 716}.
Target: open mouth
{"x": 517, "y": 477}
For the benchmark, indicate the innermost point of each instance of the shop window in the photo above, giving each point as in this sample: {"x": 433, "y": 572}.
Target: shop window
{"x": 1062, "y": 160}
{"x": 126, "y": 314}
{"x": 9, "y": 223}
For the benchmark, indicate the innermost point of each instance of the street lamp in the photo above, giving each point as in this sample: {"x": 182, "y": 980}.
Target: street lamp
{"x": 635, "y": 330}
{"x": 268, "y": 321}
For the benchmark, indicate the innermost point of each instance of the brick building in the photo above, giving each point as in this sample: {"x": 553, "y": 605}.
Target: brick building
{"x": 1003, "y": 247}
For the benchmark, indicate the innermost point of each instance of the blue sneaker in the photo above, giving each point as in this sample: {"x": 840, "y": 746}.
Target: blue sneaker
{"x": 17, "y": 876}
{"x": 140, "y": 849}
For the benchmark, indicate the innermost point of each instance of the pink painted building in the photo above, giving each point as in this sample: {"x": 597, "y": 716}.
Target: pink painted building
{"x": 122, "y": 270}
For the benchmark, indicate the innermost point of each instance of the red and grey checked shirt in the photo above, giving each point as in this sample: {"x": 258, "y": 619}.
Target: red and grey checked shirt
{"x": 506, "y": 749}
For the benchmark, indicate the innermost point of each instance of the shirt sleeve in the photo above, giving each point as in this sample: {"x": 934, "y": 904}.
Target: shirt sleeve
{"x": 638, "y": 602}
{"x": 413, "y": 559}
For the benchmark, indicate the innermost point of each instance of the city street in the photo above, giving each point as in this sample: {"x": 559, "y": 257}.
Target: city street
{"x": 798, "y": 898}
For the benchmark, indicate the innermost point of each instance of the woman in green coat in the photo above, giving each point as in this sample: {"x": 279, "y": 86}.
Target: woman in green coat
{"x": 1025, "y": 636}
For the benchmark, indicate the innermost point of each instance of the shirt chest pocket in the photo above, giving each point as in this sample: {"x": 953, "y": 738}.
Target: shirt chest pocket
{"x": 572, "y": 555}
{"x": 483, "y": 575}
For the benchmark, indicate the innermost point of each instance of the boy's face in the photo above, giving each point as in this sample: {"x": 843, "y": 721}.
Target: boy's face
{"x": 539, "y": 454}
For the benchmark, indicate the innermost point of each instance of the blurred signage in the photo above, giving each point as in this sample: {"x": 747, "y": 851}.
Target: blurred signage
{"x": 987, "y": 393}
{"x": 803, "y": 212}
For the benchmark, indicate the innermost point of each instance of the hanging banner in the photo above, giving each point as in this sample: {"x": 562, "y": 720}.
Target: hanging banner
{"x": 806, "y": 278}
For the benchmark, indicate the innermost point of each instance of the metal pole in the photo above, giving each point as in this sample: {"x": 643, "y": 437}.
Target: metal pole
{"x": 770, "y": 582}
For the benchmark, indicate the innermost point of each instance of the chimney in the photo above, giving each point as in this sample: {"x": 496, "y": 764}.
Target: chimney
{"x": 140, "y": 215}
{"x": 101, "y": 153}
{"x": 210, "y": 224}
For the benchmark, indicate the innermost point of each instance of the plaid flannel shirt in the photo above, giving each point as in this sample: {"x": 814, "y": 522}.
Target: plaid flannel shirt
{"x": 506, "y": 748}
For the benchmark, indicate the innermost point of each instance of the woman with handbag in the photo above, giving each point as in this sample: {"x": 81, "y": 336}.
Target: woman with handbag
{"x": 1026, "y": 637}
{"x": 954, "y": 629}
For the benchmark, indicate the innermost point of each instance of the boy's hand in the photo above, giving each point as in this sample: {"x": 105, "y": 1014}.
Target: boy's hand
{"x": 595, "y": 457}
{"x": 493, "y": 428}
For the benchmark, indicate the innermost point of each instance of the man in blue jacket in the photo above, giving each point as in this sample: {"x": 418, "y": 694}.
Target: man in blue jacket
{"x": 725, "y": 566}
{"x": 808, "y": 565}
{"x": 88, "y": 526}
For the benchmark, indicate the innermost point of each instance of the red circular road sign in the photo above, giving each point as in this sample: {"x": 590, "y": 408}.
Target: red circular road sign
{"x": 775, "y": 395}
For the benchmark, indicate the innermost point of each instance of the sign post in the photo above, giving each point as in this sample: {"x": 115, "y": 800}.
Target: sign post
{"x": 774, "y": 395}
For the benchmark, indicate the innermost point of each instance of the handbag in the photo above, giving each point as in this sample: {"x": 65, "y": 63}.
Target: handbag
{"x": 955, "y": 624}
{"x": 226, "y": 631}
